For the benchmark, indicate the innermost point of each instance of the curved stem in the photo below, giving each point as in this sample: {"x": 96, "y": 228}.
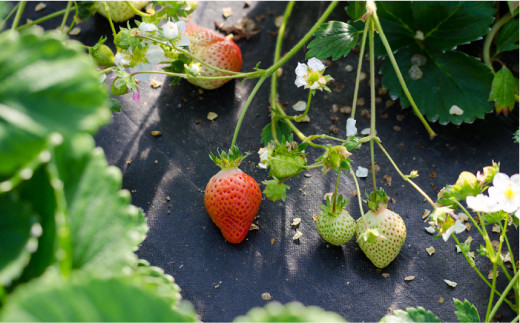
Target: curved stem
{"x": 18, "y": 15}
{"x": 475, "y": 224}
{"x": 107, "y": 9}
{"x": 493, "y": 287}
{"x": 42, "y": 19}
{"x": 511, "y": 254}
{"x": 66, "y": 15}
{"x": 405, "y": 177}
{"x": 4, "y": 21}
{"x": 400, "y": 76}
{"x": 244, "y": 109}
{"x": 358, "y": 73}
{"x": 489, "y": 39}
{"x": 137, "y": 11}
{"x": 301, "y": 117}
{"x": 278, "y": 49}
{"x": 185, "y": 75}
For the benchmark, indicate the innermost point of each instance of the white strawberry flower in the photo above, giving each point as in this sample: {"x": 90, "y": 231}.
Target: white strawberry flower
{"x": 140, "y": 67}
{"x": 154, "y": 54}
{"x": 146, "y": 27}
{"x": 506, "y": 192}
{"x": 175, "y": 31}
{"x": 482, "y": 203}
{"x": 264, "y": 154}
{"x": 194, "y": 69}
{"x": 122, "y": 59}
{"x": 170, "y": 30}
{"x": 310, "y": 75}
{"x": 457, "y": 228}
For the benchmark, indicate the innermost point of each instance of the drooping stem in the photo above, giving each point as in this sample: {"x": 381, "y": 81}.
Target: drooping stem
{"x": 513, "y": 283}
{"x": 486, "y": 48}
{"x": 4, "y": 21}
{"x": 358, "y": 73}
{"x": 372, "y": 100}
{"x": 244, "y": 109}
{"x": 302, "y": 117}
{"x": 66, "y": 15}
{"x": 399, "y": 75}
{"x": 335, "y": 195}
{"x": 18, "y": 15}
{"x": 42, "y": 19}
{"x": 135, "y": 10}
{"x": 107, "y": 9}
{"x": 405, "y": 177}
{"x": 359, "y": 197}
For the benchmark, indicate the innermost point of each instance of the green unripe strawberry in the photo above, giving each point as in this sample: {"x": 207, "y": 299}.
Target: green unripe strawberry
{"x": 334, "y": 223}
{"x": 336, "y": 229}
{"x": 121, "y": 39}
{"x": 119, "y": 10}
{"x": 380, "y": 233}
{"x": 122, "y": 89}
{"x": 282, "y": 166}
{"x": 103, "y": 55}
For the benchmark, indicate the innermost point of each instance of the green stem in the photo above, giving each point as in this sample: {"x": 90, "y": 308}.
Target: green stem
{"x": 405, "y": 177}
{"x": 400, "y": 76}
{"x": 66, "y": 15}
{"x": 358, "y": 73}
{"x": 359, "y": 197}
{"x": 301, "y": 117}
{"x": 372, "y": 100}
{"x": 334, "y": 196}
{"x": 76, "y": 16}
{"x": 4, "y": 21}
{"x": 42, "y": 19}
{"x": 470, "y": 217}
{"x": 244, "y": 109}
{"x": 278, "y": 49}
{"x": 489, "y": 39}
{"x": 302, "y": 41}
{"x": 136, "y": 11}
{"x": 107, "y": 9}
{"x": 186, "y": 75}
{"x": 18, "y": 15}
{"x": 493, "y": 287}
{"x": 511, "y": 254}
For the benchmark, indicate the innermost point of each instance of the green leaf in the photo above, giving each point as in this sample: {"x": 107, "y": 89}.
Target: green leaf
{"x": 4, "y": 8}
{"x": 466, "y": 312}
{"x": 503, "y": 90}
{"x": 19, "y": 232}
{"x": 443, "y": 25}
{"x": 155, "y": 280}
{"x": 332, "y": 39}
{"x": 105, "y": 228}
{"x": 282, "y": 130}
{"x": 515, "y": 137}
{"x": 290, "y": 312}
{"x": 356, "y": 9}
{"x": 115, "y": 105}
{"x": 47, "y": 84}
{"x": 507, "y": 38}
{"x": 83, "y": 298}
{"x": 418, "y": 314}
{"x": 513, "y": 7}
{"x": 444, "y": 80}
{"x": 274, "y": 190}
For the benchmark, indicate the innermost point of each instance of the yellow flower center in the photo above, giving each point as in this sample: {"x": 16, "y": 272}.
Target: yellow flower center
{"x": 510, "y": 194}
{"x": 314, "y": 77}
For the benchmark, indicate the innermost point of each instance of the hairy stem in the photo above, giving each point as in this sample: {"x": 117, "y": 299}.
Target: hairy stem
{"x": 359, "y": 197}
{"x": 405, "y": 178}
{"x": 244, "y": 109}
{"x": 372, "y": 100}
{"x": 107, "y": 9}
{"x": 66, "y": 15}
{"x": 18, "y": 15}
{"x": 335, "y": 195}
{"x": 399, "y": 75}
{"x": 486, "y": 48}
{"x": 358, "y": 73}
{"x": 493, "y": 288}
{"x": 42, "y": 19}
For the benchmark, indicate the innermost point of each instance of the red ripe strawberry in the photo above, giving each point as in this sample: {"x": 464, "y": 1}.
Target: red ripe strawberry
{"x": 213, "y": 48}
{"x": 232, "y": 198}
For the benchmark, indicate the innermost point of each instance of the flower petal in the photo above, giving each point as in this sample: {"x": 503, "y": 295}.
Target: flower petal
{"x": 315, "y": 64}
{"x": 351, "y": 127}
{"x": 301, "y": 70}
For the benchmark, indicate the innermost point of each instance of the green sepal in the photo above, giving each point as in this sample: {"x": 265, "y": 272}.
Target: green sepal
{"x": 515, "y": 137}
{"x": 115, "y": 105}
{"x": 94, "y": 48}
{"x": 483, "y": 251}
{"x": 356, "y": 10}
{"x": 418, "y": 314}
{"x": 287, "y": 159}
{"x": 466, "y": 312}
{"x": 377, "y": 200}
{"x": 275, "y": 190}
{"x": 233, "y": 158}
{"x": 496, "y": 217}
{"x": 335, "y": 158}
{"x": 370, "y": 235}
{"x": 341, "y": 203}
{"x": 177, "y": 9}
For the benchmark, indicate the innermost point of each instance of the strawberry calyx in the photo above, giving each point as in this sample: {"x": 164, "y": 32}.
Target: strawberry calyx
{"x": 332, "y": 209}
{"x": 232, "y": 159}
{"x": 377, "y": 201}
{"x": 335, "y": 158}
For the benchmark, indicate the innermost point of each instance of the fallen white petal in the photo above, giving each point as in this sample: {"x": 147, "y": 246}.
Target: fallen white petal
{"x": 299, "y": 106}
